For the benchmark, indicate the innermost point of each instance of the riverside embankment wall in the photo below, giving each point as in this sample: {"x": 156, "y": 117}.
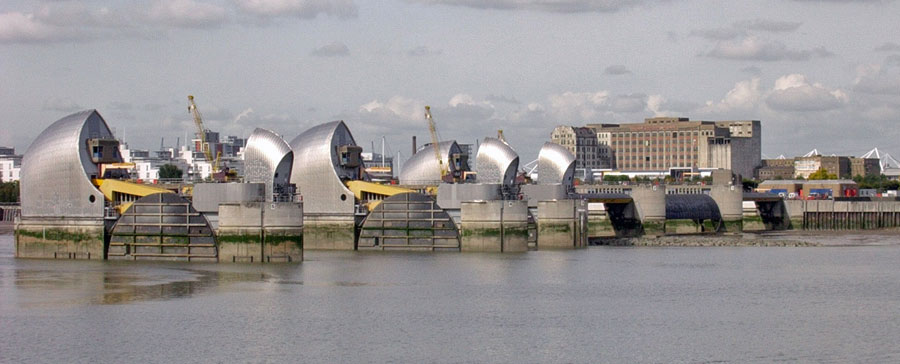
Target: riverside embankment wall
{"x": 843, "y": 215}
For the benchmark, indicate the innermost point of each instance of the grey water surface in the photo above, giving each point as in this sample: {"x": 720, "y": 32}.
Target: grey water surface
{"x": 596, "y": 305}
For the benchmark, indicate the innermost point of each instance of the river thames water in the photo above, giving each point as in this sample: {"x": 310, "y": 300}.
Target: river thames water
{"x": 601, "y": 304}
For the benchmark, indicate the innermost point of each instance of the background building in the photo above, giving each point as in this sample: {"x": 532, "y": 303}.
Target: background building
{"x": 782, "y": 168}
{"x": 670, "y": 143}
{"x": 583, "y": 143}
{"x": 865, "y": 167}
{"x": 10, "y": 164}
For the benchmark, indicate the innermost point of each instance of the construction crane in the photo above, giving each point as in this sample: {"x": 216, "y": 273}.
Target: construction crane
{"x": 434, "y": 141}
{"x": 201, "y": 133}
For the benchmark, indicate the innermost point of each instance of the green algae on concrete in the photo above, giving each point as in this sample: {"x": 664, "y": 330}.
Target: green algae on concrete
{"x": 753, "y": 223}
{"x": 556, "y": 235}
{"x": 654, "y": 227}
{"x": 283, "y": 246}
{"x": 682, "y": 226}
{"x": 600, "y": 228}
{"x": 239, "y": 245}
{"x": 76, "y": 242}
{"x": 328, "y": 235}
{"x": 733, "y": 226}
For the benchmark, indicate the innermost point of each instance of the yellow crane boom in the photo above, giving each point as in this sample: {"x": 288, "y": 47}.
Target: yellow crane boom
{"x": 434, "y": 141}
{"x": 201, "y": 134}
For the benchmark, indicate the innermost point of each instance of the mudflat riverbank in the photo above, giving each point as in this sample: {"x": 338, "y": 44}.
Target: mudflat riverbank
{"x": 704, "y": 241}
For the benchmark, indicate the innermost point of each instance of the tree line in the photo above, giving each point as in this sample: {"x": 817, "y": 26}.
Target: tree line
{"x": 9, "y": 192}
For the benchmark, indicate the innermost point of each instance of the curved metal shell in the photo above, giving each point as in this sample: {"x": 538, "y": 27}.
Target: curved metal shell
{"x": 57, "y": 169}
{"x": 496, "y": 162}
{"x": 268, "y": 159}
{"x": 423, "y": 168}
{"x": 692, "y": 207}
{"x": 317, "y": 172}
{"x": 556, "y": 164}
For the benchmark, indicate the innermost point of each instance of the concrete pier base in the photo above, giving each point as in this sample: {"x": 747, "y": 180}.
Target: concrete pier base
{"x": 260, "y": 232}
{"x": 329, "y": 232}
{"x": 60, "y": 238}
{"x": 557, "y": 225}
{"x": 650, "y": 202}
{"x": 730, "y": 199}
{"x": 494, "y": 226}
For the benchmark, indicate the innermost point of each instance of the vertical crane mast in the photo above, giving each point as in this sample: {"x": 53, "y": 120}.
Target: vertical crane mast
{"x": 434, "y": 141}
{"x": 201, "y": 132}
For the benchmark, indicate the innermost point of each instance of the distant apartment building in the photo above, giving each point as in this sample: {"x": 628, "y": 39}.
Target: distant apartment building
{"x": 668, "y": 143}
{"x": 777, "y": 169}
{"x": 584, "y": 145}
{"x": 10, "y": 164}
{"x": 836, "y": 165}
{"x": 230, "y": 147}
{"x": 865, "y": 167}
{"x": 146, "y": 167}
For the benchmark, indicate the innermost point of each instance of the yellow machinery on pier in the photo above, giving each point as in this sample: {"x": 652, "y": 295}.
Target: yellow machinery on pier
{"x": 123, "y": 193}
{"x": 373, "y": 192}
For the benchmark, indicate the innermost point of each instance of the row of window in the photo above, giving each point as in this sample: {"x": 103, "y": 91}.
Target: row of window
{"x": 639, "y": 157}
{"x": 673, "y": 134}
{"x": 655, "y": 149}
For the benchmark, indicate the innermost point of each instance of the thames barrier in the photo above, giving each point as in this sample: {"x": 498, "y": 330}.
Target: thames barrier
{"x": 314, "y": 193}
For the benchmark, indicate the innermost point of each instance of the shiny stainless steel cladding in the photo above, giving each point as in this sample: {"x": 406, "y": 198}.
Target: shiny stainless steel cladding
{"x": 318, "y": 172}
{"x": 555, "y": 165}
{"x": 267, "y": 159}
{"x": 57, "y": 169}
{"x": 422, "y": 167}
{"x": 496, "y": 162}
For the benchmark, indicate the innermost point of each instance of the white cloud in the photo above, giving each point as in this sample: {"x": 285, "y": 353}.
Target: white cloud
{"x": 794, "y": 93}
{"x": 745, "y": 95}
{"x": 61, "y": 105}
{"x": 187, "y": 13}
{"x": 571, "y": 107}
{"x": 305, "y": 9}
{"x": 742, "y": 29}
{"x": 17, "y": 27}
{"x": 616, "y": 69}
{"x": 662, "y": 106}
{"x": 422, "y": 51}
{"x": 243, "y": 115}
{"x": 767, "y": 25}
{"x": 556, "y": 6}
{"x": 755, "y": 49}
{"x": 398, "y": 107}
{"x": 718, "y": 33}
{"x": 580, "y": 107}
{"x": 888, "y": 47}
{"x": 333, "y": 49}
{"x": 879, "y": 79}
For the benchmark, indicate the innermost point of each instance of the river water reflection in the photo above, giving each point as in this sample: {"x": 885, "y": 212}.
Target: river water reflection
{"x": 601, "y": 304}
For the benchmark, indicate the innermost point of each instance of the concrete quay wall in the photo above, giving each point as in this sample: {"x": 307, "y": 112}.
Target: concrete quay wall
{"x": 843, "y": 215}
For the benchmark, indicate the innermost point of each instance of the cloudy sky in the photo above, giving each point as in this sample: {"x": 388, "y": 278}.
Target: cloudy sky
{"x": 819, "y": 73}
